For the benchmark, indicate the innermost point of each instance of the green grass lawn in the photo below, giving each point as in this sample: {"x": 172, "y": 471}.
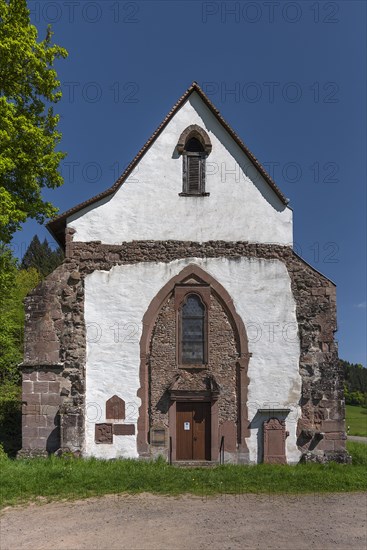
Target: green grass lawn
{"x": 56, "y": 478}
{"x": 356, "y": 418}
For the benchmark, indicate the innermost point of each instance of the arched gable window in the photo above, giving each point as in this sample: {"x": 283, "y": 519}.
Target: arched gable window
{"x": 193, "y": 331}
{"x": 194, "y": 145}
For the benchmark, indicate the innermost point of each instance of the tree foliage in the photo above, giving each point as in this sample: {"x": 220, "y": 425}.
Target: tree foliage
{"x": 41, "y": 257}
{"x": 355, "y": 383}
{"x": 15, "y": 283}
{"x": 14, "y": 286}
{"x": 28, "y": 126}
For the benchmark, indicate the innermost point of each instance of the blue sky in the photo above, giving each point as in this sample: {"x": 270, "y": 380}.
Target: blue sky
{"x": 288, "y": 76}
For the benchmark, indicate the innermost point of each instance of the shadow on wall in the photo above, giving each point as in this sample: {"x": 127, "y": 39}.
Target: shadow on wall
{"x": 164, "y": 402}
{"x": 53, "y": 441}
{"x": 258, "y": 423}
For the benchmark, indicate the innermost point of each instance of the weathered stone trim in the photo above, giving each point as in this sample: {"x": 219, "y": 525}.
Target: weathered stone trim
{"x": 56, "y": 308}
{"x": 170, "y": 380}
{"x": 194, "y": 131}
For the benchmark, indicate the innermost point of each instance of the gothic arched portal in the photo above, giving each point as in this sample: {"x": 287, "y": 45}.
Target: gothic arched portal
{"x": 219, "y": 382}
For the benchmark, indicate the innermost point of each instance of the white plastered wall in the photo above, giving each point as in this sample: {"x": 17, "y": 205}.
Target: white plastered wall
{"x": 115, "y": 302}
{"x": 148, "y": 206}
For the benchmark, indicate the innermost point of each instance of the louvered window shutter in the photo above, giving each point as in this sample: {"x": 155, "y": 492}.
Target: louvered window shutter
{"x": 193, "y": 174}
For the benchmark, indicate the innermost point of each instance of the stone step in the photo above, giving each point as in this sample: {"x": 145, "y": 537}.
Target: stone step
{"x": 195, "y": 463}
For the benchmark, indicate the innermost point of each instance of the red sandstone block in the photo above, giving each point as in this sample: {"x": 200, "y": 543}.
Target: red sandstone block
{"x": 40, "y": 387}
{"x": 24, "y": 428}
{"x": 29, "y": 376}
{"x": 124, "y": 429}
{"x": 31, "y": 409}
{"x": 29, "y": 432}
{"x": 52, "y": 356}
{"x": 35, "y": 421}
{"x": 46, "y": 376}
{"x": 45, "y": 432}
{"x": 325, "y": 445}
{"x": 54, "y": 387}
{"x": 339, "y": 445}
{"x": 26, "y": 441}
{"x": 41, "y": 420}
{"x": 52, "y": 421}
{"x": 333, "y": 426}
{"x": 50, "y": 399}
{"x": 50, "y": 410}
{"x": 38, "y": 443}
{"x": 27, "y": 387}
{"x": 29, "y": 421}
{"x": 335, "y": 435}
{"x": 32, "y": 399}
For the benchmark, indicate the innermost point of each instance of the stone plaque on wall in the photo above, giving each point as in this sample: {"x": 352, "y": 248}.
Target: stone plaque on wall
{"x": 115, "y": 408}
{"x": 274, "y": 441}
{"x": 158, "y": 437}
{"x": 124, "y": 429}
{"x": 103, "y": 433}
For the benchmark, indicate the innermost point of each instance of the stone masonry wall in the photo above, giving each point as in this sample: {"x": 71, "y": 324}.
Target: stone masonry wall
{"x": 41, "y": 410}
{"x": 55, "y": 332}
{"x": 54, "y": 362}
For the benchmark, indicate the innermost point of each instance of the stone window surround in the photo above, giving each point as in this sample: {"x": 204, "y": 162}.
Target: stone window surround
{"x": 197, "y": 132}
{"x": 194, "y": 131}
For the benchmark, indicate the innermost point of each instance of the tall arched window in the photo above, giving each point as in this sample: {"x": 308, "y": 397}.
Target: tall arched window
{"x": 194, "y": 145}
{"x": 193, "y": 331}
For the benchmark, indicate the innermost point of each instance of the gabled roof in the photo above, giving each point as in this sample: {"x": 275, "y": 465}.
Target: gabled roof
{"x": 57, "y": 225}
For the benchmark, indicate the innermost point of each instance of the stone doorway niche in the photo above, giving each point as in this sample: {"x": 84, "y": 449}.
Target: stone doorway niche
{"x": 164, "y": 382}
{"x": 271, "y": 447}
{"x": 193, "y": 431}
{"x": 199, "y": 442}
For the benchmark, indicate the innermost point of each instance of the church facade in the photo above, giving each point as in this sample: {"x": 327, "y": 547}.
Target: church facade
{"x": 181, "y": 322}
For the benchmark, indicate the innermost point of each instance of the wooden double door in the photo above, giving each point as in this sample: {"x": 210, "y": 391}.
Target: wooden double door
{"x": 193, "y": 421}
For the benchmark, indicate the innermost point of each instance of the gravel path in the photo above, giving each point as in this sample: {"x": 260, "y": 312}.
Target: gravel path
{"x": 335, "y": 521}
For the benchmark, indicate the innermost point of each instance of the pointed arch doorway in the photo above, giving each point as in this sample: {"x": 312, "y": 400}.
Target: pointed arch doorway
{"x": 193, "y": 392}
